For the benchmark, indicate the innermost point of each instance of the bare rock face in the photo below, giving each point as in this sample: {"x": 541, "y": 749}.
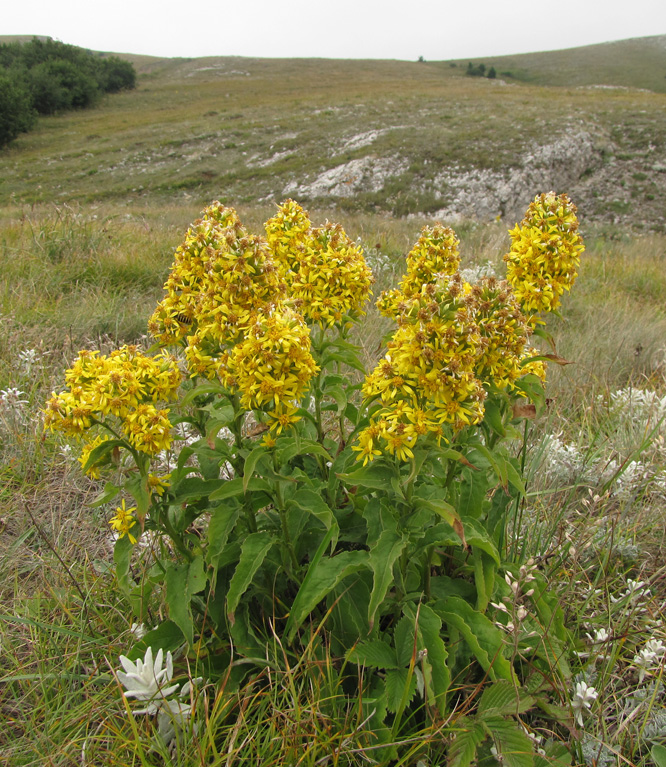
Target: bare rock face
{"x": 365, "y": 174}
{"x": 485, "y": 194}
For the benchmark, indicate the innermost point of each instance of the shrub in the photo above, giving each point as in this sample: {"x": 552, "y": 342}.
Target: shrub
{"x": 16, "y": 113}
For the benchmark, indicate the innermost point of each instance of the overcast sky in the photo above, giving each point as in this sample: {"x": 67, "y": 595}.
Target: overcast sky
{"x": 387, "y": 29}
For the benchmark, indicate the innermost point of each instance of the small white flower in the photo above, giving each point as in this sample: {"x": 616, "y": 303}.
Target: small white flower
{"x": 138, "y": 631}
{"x": 145, "y": 680}
{"x": 10, "y": 399}
{"x": 28, "y": 359}
{"x": 600, "y": 636}
{"x": 583, "y": 697}
{"x": 649, "y": 657}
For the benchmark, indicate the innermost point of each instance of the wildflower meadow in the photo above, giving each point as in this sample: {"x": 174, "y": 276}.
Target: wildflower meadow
{"x": 321, "y": 527}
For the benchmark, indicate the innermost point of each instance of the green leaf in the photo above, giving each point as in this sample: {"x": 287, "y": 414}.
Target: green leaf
{"x": 477, "y": 538}
{"x": 99, "y": 452}
{"x": 376, "y": 475}
{"x": 473, "y": 489}
{"x": 108, "y": 494}
{"x": 314, "y": 504}
{"x": 558, "y": 755}
{"x": 484, "y": 639}
{"x": 202, "y": 390}
{"x": 398, "y": 682}
{"x": 381, "y": 558}
{"x": 167, "y": 636}
{"x": 462, "y": 751}
{"x": 122, "y": 551}
{"x": 444, "y": 509}
{"x": 322, "y": 577}
{"x": 511, "y": 741}
{"x": 493, "y": 417}
{"x": 251, "y": 464}
{"x": 485, "y": 570}
{"x": 340, "y": 397}
{"x": 373, "y": 654}
{"x": 253, "y": 552}
{"x": 405, "y": 640}
{"x": 293, "y": 448}
{"x": 232, "y": 488}
{"x": 196, "y": 487}
{"x": 436, "y": 673}
{"x": 502, "y": 698}
{"x": 658, "y": 754}
{"x": 183, "y": 581}
{"x": 346, "y": 357}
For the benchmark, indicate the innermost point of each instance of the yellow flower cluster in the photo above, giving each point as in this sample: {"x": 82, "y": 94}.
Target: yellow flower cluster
{"x": 426, "y": 382}
{"x": 121, "y": 389}
{"x": 325, "y": 271}
{"x": 435, "y": 255}
{"x": 505, "y": 331}
{"x": 545, "y": 253}
{"x": 272, "y": 367}
{"x": 286, "y": 233}
{"x": 221, "y": 281}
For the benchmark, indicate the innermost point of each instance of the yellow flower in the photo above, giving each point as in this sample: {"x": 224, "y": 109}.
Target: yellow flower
{"x": 124, "y": 521}
{"x": 545, "y": 253}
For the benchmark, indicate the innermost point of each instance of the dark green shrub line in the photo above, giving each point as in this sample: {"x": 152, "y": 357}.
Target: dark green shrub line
{"x": 43, "y": 77}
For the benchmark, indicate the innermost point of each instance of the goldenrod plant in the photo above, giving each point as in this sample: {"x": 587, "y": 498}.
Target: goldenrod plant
{"x": 284, "y": 495}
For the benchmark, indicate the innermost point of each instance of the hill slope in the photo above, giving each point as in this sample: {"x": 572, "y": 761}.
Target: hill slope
{"x": 391, "y": 136}
{"x": 636, "y": 63}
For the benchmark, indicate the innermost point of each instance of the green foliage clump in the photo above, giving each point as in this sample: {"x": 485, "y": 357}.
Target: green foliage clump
{"x": 16, "y": 112}
{"x": 47, "y": 76}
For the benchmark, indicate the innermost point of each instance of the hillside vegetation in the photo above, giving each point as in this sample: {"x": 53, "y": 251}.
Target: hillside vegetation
{"x": 384, "y": 136}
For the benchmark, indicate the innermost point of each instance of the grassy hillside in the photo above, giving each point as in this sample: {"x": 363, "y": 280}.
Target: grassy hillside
{"x": 385, "y": 136}
{"x": 636, "y": 63}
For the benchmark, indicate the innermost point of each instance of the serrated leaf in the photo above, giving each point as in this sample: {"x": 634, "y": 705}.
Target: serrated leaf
{"x": 462, "y": 750}
{"x": 404, "y": 639}
{"x": 557, "y": 755}
{"x": 511, "y": 741}
{"x": 322, "y": 577}
{"x": 381, "y": 558}
{"x": 484, "y": 639}
{"x": 400, "y": 686}
{"x": 253, "y": 552}
{"x": 502, "y": 698}
{"x": 373, "y": 654}
{"x": 436, "y": 673}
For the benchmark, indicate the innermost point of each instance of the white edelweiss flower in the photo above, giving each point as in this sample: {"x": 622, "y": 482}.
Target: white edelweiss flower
{"x": 138, "y": 631}
{"x": 145, "y": 680}
{"x": 600, "y": 636}
{"x": 583, "y": 697}
{"x": 650, "y": 656}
